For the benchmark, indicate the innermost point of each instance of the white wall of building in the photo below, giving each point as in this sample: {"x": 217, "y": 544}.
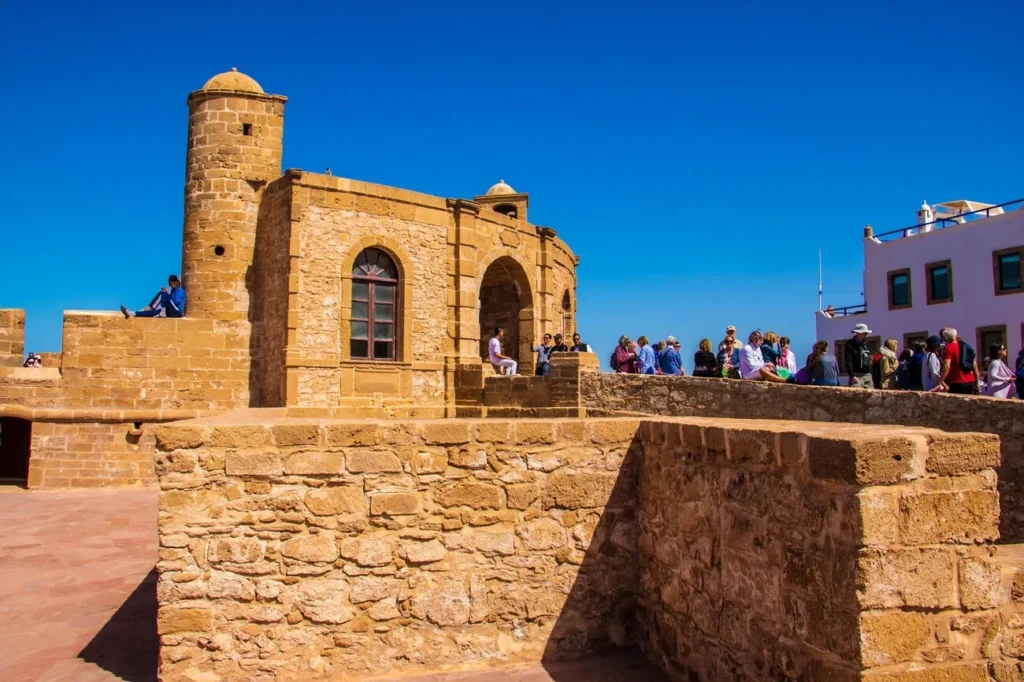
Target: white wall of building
{"x": 969, "y": 246}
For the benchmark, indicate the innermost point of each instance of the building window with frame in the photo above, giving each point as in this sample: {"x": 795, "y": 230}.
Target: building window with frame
{"x": 374, "y": 326}
{"x": 1008, "y": 270}
{"x": 985, "y": 337}
{"x": 910, "y": 338}
{"x": 939, "y": 279}
{"x": 899, "y": 289}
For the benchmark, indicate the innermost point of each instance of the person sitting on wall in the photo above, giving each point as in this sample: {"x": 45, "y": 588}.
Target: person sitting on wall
{"x": 167, "y": 303}
{"x": 559, "y": 346}
{"x": 730, "y": 339}
{"x": 578, "y": 346}
{"x": 830, "y": 311}
{"x": 752, "y": 364}
{"x": 502, "y": 363}
{"x": 33, "y": 360}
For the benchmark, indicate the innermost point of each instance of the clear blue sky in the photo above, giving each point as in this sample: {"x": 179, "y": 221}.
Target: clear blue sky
{"x": 695, "y": 155}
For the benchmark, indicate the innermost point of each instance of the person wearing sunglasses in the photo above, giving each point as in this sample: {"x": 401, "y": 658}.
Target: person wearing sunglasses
{"x": 1000, "y": 377}
{"x": 544, "y": 351}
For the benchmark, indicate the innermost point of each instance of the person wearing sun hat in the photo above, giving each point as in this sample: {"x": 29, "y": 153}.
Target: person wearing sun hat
{"x": 858, "y": 357}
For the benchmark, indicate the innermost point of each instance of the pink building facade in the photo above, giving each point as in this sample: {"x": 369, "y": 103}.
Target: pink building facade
{"x": 963, "y": 272}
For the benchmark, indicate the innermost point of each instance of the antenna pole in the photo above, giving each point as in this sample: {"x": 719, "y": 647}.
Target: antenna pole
{"x": 819, "y": 279}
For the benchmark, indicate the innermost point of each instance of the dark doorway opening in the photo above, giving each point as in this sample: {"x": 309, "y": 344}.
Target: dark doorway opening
{"x": 15, "y": 450}
{"x": 506, "y": 301}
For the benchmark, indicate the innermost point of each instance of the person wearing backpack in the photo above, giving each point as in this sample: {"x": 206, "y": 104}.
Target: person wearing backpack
{"x": 918, "y": 360}
{"x": 958, "y": 367}
{"x": 903, "y": 379}
{"x": 884, "y": 365}
{"x": 858, "y": 357}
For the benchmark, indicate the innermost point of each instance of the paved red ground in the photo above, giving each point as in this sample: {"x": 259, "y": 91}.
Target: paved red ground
{"x": 79, "y": 596}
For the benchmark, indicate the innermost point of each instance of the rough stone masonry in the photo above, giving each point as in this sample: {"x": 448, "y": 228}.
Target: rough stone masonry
{"x": 726, "y": 549}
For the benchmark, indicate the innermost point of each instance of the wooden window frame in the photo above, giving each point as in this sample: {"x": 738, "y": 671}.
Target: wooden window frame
{"x": 839, "y": 350}
{"x": 910, "y": 288}
{"x": 979, "y": 349}
{"x": 948, "y": 264}
{"x": 996, "y": 255}
{"x": 908, "y": 335}
{"x": 373, "y": 282}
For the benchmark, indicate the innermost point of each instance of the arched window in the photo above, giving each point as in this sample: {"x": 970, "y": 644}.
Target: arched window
{"x": 374, "y": 307}
{"x": 566, "y": 315}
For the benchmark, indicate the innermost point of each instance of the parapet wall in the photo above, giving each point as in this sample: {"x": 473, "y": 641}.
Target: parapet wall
{"x": 331, "y": 548}
{"x": 12, "y": 337}
{"x": 604, "y": 394}
{"x": 728, "y": 549}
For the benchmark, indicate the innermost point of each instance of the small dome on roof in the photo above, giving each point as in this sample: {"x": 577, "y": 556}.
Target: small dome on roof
{"x": 500, "y": 188}
{"x": 233, "y": 80}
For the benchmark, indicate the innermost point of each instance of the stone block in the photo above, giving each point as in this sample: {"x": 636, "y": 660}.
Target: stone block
{"x": 522, "y": 495}
{"x": 266, "y": 463}
{"x": 968, "y": 516}
{"x": 222, "y": 585}
{"x": 494, "y": 432}
{"x": 981, "y": 584}
{"x": 873, "y": 460}
{"x": 473, "y": 495}
{"x": 469, "y": 457}
{"x": 335, "y": 500}
{"x": 315, "y": 463}
{"x": 578, "y": 490}
{"x": 394, "y": 504}
{"x": 897, "y": 578}
{"x": 445, "y": 603}
{"x": 311, "y": 548}
{"x": 965, "y": 672}
{"x": 238, "y": 437}
{"x": 371, "y": 588}
{"x": 171, "y": 620}
{"x": 368, "y": 552}
{"x": 179, "y": 437}
{"x": 430, "y": 462}
{"x": 446, "y": 433}
{"x": 235, "y": 550}
{"x": 423, "y": 552}
{"x": 879, "y": 517}
{"x": 961, "y": 453}
{"x": 535, "y": 432}
{"x": 323, "y": 601}
{"x": 613, "y": 432}
{"x": 353, "y": 434}
{"x": 290, "y": 435}
{"x": 752, "y": 447}
{"x": 542, "y": 534}
{"x": 371, "y": 462}
{"x": 891, "y": 637}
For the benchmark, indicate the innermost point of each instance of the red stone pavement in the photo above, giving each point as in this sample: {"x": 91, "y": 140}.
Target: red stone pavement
{"x": 78, "y": 601}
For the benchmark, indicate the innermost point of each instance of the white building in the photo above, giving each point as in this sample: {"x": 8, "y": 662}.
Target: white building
{"x": 961, "y": 266}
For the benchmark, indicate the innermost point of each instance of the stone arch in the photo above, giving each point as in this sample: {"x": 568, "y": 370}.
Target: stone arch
{"x": 566, "y": 314}
{"x": 15, "y": 450}
{"x": 506, "y": 300}
{"x": 403, "y": 316}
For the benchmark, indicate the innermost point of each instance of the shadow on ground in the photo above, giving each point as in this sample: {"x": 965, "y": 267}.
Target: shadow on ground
{"x": 128, "y": 645}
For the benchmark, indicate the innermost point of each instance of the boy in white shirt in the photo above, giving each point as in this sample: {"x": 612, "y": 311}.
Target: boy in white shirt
{"x": 500, "y": 362}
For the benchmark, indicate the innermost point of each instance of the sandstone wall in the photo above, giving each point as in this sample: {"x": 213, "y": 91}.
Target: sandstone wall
{"x": 311, "y": 548}
{"x": 12, "y": 337}
{"x": 91, "y": 455}
{"x": 839, "y": 552}
{"x": 684, "y": 396}
{"x": 270, "y": 292}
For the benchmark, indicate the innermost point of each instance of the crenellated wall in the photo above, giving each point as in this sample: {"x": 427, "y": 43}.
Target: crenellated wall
{"x": 12, "y": 337}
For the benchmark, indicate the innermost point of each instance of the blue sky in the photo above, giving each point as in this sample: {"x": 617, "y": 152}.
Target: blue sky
{"x": 695, "y": 155}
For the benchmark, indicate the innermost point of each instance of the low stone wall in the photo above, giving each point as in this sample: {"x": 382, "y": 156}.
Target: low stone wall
{"x": 728, "y": 549}
{"x": 322, "y": 548}
{"x": 840, "y": 552}
{"x": 604, "y": 394}
{"x": 91, "y": 455}
{"x": 12, "y": 337}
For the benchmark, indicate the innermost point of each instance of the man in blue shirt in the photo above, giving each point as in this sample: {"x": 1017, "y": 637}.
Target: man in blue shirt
{"x": 168, "y": 303}
{"x": 669, "y": 359}
{"x": 645, "y": 357}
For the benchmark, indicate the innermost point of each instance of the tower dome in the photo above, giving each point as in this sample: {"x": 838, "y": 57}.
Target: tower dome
{"x": 500, "y": 188}
{"x": 233, "y": 80}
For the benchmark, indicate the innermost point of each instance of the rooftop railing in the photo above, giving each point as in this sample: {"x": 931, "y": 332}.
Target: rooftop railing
{"x": 940, "y": 223}
{"x": 847, "y": 310}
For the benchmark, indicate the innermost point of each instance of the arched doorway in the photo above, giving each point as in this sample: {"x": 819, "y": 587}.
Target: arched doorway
{"x": 507, "y": 301}
{"x": 15, "y": 449}
{"x": 567, "y": 329}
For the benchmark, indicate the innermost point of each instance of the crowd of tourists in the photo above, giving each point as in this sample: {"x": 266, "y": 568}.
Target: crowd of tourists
{"x": 940, "y": 363}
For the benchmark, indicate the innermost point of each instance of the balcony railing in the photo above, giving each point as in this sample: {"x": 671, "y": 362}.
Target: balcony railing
{"x": 952, "y": 221}
{"x": 847, "y": 310}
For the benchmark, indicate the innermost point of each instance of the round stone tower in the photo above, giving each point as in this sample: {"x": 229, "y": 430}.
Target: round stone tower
{"x": 235, "y": 133}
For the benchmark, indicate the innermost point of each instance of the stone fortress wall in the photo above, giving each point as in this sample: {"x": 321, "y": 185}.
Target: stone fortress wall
{"x": 726, "y": 549}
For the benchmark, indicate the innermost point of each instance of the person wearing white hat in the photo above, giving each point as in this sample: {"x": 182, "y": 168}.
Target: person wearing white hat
{"x": 857, "y": 357}
{"x": 730, "y": 339}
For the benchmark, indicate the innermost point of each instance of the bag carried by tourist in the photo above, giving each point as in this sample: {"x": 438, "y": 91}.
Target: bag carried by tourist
{"x": 876, "y": 370}
{"x": 903, "y": 375}
{"x": 967, "y": 357}
{"x": 805, "y": 376}
{"x": 613, "y": 363}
